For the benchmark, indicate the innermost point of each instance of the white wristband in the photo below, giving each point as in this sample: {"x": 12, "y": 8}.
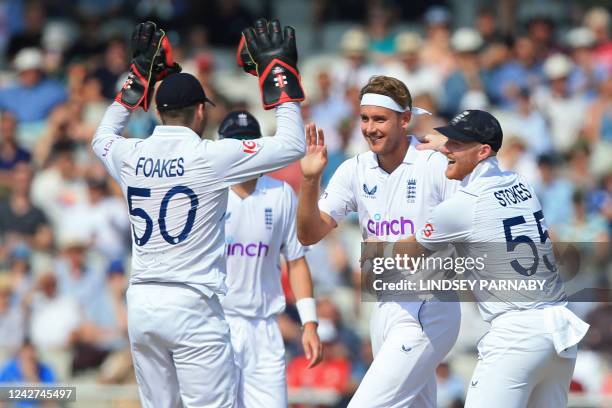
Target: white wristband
{"x": 307, "y": 309}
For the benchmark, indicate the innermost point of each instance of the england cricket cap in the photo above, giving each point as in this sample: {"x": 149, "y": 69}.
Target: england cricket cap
{"x": 179, "y": 91}
{"x": 474, "y": 126}
{"x": 240, "y": 125}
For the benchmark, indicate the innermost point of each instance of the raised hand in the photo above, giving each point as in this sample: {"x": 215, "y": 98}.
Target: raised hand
{"x": 271, "y": 53}
{"x": 315, "y": 160}
{"x": 151, "y": 61}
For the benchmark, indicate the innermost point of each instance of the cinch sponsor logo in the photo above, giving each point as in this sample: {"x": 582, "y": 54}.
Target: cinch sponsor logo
{"x": 251, "y": 250}
{"x": 389, "y": 227}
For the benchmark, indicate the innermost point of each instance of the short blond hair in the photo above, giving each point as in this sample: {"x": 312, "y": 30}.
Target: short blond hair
{"x": 388, "y": 86}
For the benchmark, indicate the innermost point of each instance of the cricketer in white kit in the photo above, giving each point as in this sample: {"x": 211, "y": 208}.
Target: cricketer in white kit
{"x": 176, "y": 187}
{"x": 259, "y": 227}
{"x": 527, "y": 357}
{"x": 393, "y": 188}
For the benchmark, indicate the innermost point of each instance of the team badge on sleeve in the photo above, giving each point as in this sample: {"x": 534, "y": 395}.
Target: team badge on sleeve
{"x": 428, "y": 230}
{"x": 250, "y": 146}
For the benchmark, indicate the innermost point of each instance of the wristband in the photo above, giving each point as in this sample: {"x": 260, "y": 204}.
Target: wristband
{"x": 307, "y": 309}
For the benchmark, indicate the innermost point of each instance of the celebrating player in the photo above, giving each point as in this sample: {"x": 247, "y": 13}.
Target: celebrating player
{"x": 393, "y": 187}
{"x": 176, "y": 187}
{"x": 527, "y": 358}
{"x": 259, "y": 225}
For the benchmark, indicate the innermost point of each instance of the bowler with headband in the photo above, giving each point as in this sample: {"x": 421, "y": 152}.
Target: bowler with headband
{"x": 392, "y": 187}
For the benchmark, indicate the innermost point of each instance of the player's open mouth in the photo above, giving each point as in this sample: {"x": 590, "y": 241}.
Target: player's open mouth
{"x": 375, "y": 139}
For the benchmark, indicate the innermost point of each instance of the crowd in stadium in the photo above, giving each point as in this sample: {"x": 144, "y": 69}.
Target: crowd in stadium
{"x": 64, "y": 230}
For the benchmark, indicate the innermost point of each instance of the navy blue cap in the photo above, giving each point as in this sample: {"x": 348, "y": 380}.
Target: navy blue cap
{"x": 240, "y": 125}
{"x": 474, "y": 126}
{"x": 179, "y": 91}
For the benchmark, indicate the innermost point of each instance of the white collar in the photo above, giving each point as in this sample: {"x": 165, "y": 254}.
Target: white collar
{"x": 485, "y": 166}
{"x": 176, "y": 131}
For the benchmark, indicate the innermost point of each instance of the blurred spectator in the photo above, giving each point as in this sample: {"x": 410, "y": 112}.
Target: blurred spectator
{"x": 103, "y": 221}
{"x": 76, "y": 277}
{"x": 104, "y": 329}
{"x": 436, "y": 50}
{"x": 598, "y": 20}
{"x": 598, "y": 121}
{"x": 333, "y": 373}
{"x": 583, "y": 227}
{"x": 501, "y": 74}
{"x": 561, "y": 109}
{"x": 420, "y": 78}
{"x": 554, "y": 191}
{"x": 59, "y": 189}
{"x": 25, "y": 367}
{"x": 115, "y": 64}
{"x": 12, "y": 319}
{"x": 353, "y": 70}
{"x": 53, "y": 317}
{"x": 464, "y": 88}
{"x": 64, "y": 126}
{"x": 20, "y": 273}
{"x": 588, "y": 72}
{"x": 379, "y": 26}
{"x": 31, "y": 33}
{"x": 20, "y": 219}
{"x": 33, "y": 97}
{"x": 328, "y": 111}
{"x": 338, "y": 155}
{"x": 450, "y": 387}
{"x": 327, "y": 310}
{"x": 599, "y": 336}
{"x": 10, "y": 152}
{"x": 514, "y": 156}
{"x": 486, "y": 24}
{"x": 224, "y": 21}
{"x": 541, "y": 30}
{"x": 528, "y": 123}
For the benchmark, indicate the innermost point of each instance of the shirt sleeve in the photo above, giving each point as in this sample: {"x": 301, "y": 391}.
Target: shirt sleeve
{"x": 445, "y": 226}
{"x": 108, "y": 144}
{"x": 291, "y": 247}
{"x": 234, "y": 161}
{"x": 444, "y": 188}
{"x": 338, "y": 199}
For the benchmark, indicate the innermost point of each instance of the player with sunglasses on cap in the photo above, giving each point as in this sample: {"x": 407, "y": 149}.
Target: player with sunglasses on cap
{"x": 176, "y": 187}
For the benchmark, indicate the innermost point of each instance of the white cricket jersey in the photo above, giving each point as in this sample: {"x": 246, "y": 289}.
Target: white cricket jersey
{"x": 176, "y": 187}
{"x": 498, "y": 213}
{"x": 390, "y": 206}
{"x": 258, "y": 229}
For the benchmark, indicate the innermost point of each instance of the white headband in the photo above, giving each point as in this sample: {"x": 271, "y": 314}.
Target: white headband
{"x": 386, "y": 102}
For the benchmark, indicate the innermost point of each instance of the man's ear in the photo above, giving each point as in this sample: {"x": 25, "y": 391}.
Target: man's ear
{"x": 405, "y": 120}
{"x": 485, "y": 151}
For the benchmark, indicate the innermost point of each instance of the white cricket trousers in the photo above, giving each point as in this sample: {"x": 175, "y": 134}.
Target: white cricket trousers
{"x": 259, "y": 353}
{"x": 180, "y": 346}
{"x": 518, "y": 364}
{"x": 408, "y": 344}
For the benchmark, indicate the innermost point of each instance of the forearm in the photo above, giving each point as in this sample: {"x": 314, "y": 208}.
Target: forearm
{"x": 311, "y": 227}
{"x": 301, "y": 285}
{"x": 112, "y": 125}
{"x": 290, "y": 129}
{"x": 300, "y": 278}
